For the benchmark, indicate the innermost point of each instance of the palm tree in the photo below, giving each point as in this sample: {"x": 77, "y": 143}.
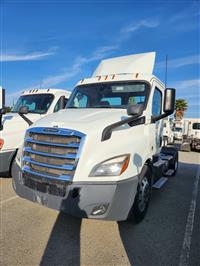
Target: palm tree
{"x": 180, "y": 107}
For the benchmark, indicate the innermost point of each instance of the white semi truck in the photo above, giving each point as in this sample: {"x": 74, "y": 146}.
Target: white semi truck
{"x": 168, "y": 136}
{"x": 13, "y": 126}
{"x": 100, "y": 157}
{"x": 191, "y": 135}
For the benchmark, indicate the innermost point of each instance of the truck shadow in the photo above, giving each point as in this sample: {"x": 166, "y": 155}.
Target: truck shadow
{"x": 63, "y": 247}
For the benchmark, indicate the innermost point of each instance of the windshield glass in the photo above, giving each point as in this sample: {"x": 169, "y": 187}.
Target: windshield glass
{"x": 196, "y": 126}
{"x": 108, "y": 95}
{"x": 37, "y": 103}
{"x": 178, "y": 129}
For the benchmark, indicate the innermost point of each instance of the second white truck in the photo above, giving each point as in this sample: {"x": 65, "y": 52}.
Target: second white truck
{"x": 100, "y": 157}
{"x": 40, "y": 103}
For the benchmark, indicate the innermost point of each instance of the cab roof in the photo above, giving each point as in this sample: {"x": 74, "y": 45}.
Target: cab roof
{"x": 135, "y": 63}
{"x": 120, "y": 77}
{"x": 136, "y": 67}
{"x": 43, "y": 91}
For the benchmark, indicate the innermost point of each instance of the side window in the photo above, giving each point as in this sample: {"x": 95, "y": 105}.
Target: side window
{"x": 157, "y": 102}
{"x": 56, "y": 108}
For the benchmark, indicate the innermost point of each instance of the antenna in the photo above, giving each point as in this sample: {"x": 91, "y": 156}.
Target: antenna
{"x": 41, "y": 81}
{"x": 166, "y": 66}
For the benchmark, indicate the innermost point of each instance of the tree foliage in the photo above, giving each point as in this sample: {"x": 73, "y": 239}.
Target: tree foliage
{"x": 181, "y": 106}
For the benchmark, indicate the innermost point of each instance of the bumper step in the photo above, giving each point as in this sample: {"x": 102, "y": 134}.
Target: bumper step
{"x": 160, "y": 183}
{"x": 169, "y": 172}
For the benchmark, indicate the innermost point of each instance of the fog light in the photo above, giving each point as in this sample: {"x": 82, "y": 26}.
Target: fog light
{"x": 99, "y": 209}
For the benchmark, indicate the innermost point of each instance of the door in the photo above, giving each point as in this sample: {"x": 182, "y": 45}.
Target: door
{"x": 157, "y": 110}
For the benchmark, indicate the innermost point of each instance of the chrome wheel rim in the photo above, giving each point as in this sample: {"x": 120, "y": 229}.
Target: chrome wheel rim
{"x": 144, "y": 194}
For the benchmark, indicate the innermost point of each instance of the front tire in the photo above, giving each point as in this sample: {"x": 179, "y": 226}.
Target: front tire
{"x": 142, "y": 198}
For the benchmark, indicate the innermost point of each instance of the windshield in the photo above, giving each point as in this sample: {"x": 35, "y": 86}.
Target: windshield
{"x": 108, "y": 95}
{"x": 37, "y": 103}
{"x": 196, "y": 126}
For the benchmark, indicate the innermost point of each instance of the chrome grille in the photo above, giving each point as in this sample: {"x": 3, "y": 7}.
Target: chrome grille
{"x": 51, "y": 152}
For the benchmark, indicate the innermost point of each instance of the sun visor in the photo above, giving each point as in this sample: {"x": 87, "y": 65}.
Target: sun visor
{"x": 136, "y": 63}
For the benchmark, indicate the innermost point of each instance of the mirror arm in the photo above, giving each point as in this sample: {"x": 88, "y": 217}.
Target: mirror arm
{"x": 107, "y": 132}
{"x": 158, "y": 117}
{"x": 28, "y": 121}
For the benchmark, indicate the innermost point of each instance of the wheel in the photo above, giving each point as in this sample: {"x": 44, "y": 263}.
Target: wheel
{"x": 142, "y": 198}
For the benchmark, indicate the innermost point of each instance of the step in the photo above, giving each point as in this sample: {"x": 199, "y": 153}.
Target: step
{"x": 159, "y": 163}
{"x": 166, "y": 157}
{"x": 160, "y": 182}
{"x": 169, "y": 172}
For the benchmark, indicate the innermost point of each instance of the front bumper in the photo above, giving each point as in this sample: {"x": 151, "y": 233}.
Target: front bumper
{"x": 82, "y": 198}
{"x": 5, "y": 161}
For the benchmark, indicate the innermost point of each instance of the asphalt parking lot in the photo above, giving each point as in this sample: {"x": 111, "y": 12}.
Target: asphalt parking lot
{"x": 169, "y": 235}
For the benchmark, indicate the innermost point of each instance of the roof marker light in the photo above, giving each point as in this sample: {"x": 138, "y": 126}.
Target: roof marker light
{"x": 99, "y": 77}
{"x": 106, "y": 77}
{"x": 113, "y": 76}
{"x": 137, "y": 74}
{"x": 82, "y": 80}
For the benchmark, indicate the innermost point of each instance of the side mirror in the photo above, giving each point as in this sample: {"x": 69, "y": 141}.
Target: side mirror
{"x": 168, "y": 106}
{"x": 23, "y": 110}
{"x": 2, "y": 97}
{"x": 134, "y": 109}
{"x": 62, "y": 103}
{"x": 169, "y": 101}
{"x": 3, "y": 111}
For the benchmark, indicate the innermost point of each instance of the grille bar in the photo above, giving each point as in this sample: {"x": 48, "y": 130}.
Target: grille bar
{"x": 70, "y": 145}
{"x": 61, "y": 177}
{"x": 56, "y": 131}
{"x": 67, "y": 156}
{"x": 63, "y": 167}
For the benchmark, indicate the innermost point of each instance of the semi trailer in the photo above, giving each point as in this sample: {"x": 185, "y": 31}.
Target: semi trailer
{"x": 40, "y": 103}
{"x": 101, "y": 156}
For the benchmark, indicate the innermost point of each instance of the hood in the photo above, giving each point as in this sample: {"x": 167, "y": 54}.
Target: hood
{"x": 84, "y": 120}
{"x": 13, "y": 121}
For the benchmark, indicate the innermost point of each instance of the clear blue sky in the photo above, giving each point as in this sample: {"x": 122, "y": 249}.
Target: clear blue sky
{"x": 56, "y": 43}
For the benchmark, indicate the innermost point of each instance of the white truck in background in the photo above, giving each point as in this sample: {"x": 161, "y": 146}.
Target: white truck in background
{"x": 168, "y": 136}
{"x": 100, "y": 158}
{"x": 40, "y": 103}
{"x": 191, "y": 135}
{"x": 178, "y": 129}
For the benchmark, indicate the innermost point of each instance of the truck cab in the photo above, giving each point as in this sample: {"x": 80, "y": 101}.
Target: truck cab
{"x": 100, "y": 157}
{"x": 40, "y": 103}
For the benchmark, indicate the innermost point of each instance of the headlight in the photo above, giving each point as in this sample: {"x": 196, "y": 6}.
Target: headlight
{"x": 1, "y": 143}
{"x": 112, "y": 167}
